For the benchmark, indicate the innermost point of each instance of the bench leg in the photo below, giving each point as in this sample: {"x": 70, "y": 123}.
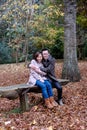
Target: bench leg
{"x": 24, "y": 102}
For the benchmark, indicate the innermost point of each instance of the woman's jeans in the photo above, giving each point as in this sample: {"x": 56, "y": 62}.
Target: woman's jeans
{"x": 46, "y": 88}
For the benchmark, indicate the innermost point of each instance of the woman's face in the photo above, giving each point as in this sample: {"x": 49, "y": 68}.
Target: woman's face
{"x": 39, "y": 58}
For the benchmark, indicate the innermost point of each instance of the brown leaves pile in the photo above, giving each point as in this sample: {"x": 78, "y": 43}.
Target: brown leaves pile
{"x": 71, "y": 116}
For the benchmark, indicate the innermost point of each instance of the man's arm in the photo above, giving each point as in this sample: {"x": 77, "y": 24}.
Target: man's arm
{"x": 50, "y": 67}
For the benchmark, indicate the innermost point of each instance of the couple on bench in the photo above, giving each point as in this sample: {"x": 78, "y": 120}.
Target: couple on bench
{"x": 42, "y": 74}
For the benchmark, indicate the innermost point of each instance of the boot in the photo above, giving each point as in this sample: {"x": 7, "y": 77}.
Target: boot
{"x": 53, "y": 102}
{"x": 60, "y": 102}
{"x": 48, "y": 104}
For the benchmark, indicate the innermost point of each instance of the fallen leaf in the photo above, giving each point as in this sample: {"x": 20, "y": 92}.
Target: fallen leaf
{"x": 7, "y": 122}
{"x": 50, "y": 128}
{"x": 2, "y": 128}
{"x": 34, "y": 122}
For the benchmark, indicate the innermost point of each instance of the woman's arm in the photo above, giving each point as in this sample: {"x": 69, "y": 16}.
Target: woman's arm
{"x": 35, "y": 68}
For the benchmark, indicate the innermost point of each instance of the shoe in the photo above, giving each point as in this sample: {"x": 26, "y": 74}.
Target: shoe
{"x": 48, "y": 104}
{"x": 60, "y": 102}
{"x": 53, "y": 102}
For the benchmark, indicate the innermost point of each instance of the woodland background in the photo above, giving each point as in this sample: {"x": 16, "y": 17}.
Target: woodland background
{"x": 30, "y": 25}
{"x": 25, "y": 27}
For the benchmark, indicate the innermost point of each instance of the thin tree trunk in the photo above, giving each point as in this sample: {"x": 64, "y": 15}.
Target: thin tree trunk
{"x": 15, "y": 21}
{"x": 29, "y": 16}
{"x": 70, "y": 68}
{"x": 16, "y": 55}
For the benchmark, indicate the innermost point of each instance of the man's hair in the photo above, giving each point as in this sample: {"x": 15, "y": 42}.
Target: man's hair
{"x": 44, "y": 49}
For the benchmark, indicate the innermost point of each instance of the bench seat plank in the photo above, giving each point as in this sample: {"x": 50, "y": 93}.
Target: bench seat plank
{"x": 21, "y": 86}
{"x": 14, "y": 87}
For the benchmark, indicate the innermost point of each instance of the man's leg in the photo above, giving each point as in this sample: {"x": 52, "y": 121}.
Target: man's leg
{"x": 59, "y": 91}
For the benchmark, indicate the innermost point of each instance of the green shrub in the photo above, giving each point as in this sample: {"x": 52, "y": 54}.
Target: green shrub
{"x": 57, "y": 49}
{"x": 85, "y": 49}
{"x": 5, "y": 53}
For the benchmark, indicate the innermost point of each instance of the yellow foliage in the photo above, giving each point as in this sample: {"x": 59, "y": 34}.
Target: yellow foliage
{"x": 4, "y": 8}
{"x": 51, "y": 32}
{"x": 4, "y": 16}
{"x": 50, "y": 7}
{"x": 35, "y": 6}
{"x": 62, "y": 14}
{"x": 14, "y": 26}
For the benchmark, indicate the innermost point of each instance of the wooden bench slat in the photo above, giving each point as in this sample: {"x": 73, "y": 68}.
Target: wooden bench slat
{"x": 14, "y": 87}
{"x": 21, "y": 86}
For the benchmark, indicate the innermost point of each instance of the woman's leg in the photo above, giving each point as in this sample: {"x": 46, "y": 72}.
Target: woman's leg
{"x": 43, "y": 88}
{"x": 50, "y": 93}
{"x": 49, "y": 88}
{"x": 44, "y": 93}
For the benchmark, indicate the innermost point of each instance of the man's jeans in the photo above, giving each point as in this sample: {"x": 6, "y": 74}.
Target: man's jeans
{"x": 46, "y": 88}
{"x": 58, "y": 87}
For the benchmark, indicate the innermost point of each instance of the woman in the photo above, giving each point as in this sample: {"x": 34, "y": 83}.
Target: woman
{"x": 37, "y": 77}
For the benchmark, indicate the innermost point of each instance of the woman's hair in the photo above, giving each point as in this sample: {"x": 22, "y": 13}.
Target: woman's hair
{"x": 36, "y": 55}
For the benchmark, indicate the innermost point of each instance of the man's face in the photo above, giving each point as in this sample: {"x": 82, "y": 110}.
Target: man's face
{"x": 45, "y": 54}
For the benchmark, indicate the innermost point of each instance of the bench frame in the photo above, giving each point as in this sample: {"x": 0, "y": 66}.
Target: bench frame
{"x": 23, "y": 90}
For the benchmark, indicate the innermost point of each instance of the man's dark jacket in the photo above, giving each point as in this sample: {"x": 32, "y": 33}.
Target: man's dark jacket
{"x": 49, "y": 67}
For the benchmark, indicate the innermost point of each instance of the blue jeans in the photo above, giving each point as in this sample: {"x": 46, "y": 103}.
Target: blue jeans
{"x": 46, "y": 88}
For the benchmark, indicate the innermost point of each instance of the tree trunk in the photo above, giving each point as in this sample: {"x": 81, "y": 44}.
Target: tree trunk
{"x": 16, "y": 55}
{"x": 70, "y": 68}
{"x": 29, "y": 17}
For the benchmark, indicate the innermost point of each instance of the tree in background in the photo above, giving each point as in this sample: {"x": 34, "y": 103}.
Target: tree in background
{"x": 30, "y": 23}
{"x": 27, "y": 24}
{"x": 82, "y": 28}
{"x": 70, "y": 67}
{"x": 18, "y": 15}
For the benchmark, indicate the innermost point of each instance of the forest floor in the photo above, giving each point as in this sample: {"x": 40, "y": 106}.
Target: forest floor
{"x": 71, "y": 116}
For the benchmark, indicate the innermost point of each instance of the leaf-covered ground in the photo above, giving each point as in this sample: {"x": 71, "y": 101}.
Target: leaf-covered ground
{"x": 71, "y": 116}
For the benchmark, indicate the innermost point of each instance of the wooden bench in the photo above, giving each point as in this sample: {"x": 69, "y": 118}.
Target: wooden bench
{"x": 22, "y": 90}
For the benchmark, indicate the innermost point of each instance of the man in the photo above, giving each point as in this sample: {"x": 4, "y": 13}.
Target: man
{"x": 49, "y": 67}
